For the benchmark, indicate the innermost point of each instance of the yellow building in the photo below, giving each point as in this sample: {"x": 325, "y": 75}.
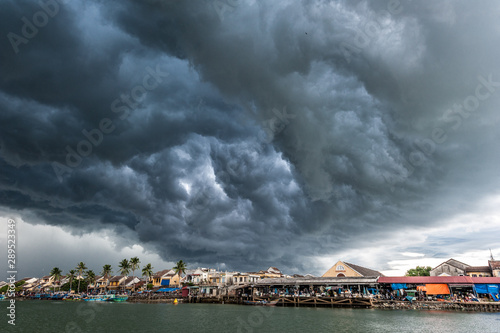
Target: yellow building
{"x": 166, "y": 278}
{"x": 116, "y": 282}
{"x": 478, "y": 271}
{"x": 344, "y": 269}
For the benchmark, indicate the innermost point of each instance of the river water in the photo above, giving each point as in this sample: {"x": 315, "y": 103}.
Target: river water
{"x": 59, "y": 316}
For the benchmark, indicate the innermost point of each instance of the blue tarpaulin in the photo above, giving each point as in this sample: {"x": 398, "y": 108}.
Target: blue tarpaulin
{"x": 492, "y": 289}
{"x": 167, "y": 290}
{"x": 395, "y": 286}
{"x": 483, "y": 288}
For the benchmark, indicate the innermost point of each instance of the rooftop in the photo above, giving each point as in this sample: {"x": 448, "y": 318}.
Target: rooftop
{"x": 363, "y": 270}
{"x": 485, "y": 269}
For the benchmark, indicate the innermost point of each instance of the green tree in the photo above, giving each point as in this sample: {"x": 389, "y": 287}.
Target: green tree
{"x": 179, "y": 269}
{"x": 124, "y": 267}
{"x": 419, "y": 271}
{"x": 134, "y": 264}
{"x": 147, "y": 271}
{"x": 90, "y": 277}
{"x": 56, "y": 273}
{"x": 71, "y": 275}
{"x": 106, "y": 272}
{"x": 80, "y": 268}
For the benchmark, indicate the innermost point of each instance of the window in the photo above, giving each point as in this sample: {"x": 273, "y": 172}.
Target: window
{"x": 340, "y": 268}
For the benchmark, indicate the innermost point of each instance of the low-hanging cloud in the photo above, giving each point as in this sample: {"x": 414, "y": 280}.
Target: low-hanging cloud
{"x": 273, "y": 133}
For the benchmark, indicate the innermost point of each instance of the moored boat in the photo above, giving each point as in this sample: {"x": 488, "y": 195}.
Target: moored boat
{"x": 117, "y": 298}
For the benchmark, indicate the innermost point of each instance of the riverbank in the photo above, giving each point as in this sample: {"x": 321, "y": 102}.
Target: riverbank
{"x": 332, "y": 302}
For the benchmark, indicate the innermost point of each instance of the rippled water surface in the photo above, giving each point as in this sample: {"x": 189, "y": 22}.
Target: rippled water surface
{"x": 59, "y": 316}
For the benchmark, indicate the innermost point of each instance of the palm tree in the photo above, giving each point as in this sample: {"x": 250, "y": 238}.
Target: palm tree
{"x": 90, "y": 276}
{"x": 56, "y": 274}
{"x": 180, "y": 268}
{"x": 134, "y": 264}
{"x": 106, "y": 272}
{"x": 124, "y": 267}
{"x": 71, "y": 275}
{"x": 147, "y": 271}
{"x": 80, "y": 268}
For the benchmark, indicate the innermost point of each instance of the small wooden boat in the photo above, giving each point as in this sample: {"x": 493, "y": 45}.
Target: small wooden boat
{"x": 117, "y": 298}
{"x": 263, "y": 302}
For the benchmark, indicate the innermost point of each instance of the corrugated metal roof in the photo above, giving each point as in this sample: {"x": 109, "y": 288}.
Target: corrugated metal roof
{"x": 427, "y": 279}
{"x": 485, "y": 279}
{"x": 485, "y": 269}
{"x": 317, "y": 281}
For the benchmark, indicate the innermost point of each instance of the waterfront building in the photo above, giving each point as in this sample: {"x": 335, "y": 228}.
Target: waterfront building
{"x": 166, "y": 278}
{"x": 311, "y": 286}
{"x": 130, "y": 282}
{"x": 116, "y": 282}
{"x": 450, "y": 267}
{"x": 494, "y": 266}
{"x": 271, "y": 272}
{"x": 478, "y": 271}
{"x": 345, "y": 269}
{"x": 101, "y": 284}
{"x": 194, "y": 276}
{"x": 158, "y": 277}
{"x": 453, "y": 267}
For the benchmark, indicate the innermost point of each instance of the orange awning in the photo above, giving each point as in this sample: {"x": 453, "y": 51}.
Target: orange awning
{"x": 437, "y": 289}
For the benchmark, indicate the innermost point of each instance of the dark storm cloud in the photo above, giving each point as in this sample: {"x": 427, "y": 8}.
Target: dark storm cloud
{"x": 248, "y": 133}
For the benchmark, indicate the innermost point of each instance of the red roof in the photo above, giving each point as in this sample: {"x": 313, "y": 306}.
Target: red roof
{"x": 486, "y": 279}
{"x": 430, "y": 279}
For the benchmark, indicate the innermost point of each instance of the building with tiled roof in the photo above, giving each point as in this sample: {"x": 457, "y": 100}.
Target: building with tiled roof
{"x": 450, "y": 267}
{"x": 345, "y": 269}
{"x": 478, "y": 271}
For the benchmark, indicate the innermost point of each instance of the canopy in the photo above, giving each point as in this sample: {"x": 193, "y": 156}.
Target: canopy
{"x": 395, "y": 286}
{"x": 437, "y": 289}
{"x": 166, "y": 290}
{"x": 483, "y": 288}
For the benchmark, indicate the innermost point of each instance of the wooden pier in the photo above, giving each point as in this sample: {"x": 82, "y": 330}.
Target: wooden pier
{"x": 333, "y": 302}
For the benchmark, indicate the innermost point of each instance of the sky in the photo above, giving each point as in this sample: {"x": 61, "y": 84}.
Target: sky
{"x": 241, "y": 134}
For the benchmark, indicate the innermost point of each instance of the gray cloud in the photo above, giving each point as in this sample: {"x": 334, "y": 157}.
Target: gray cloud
{"x": 282, "y": 130}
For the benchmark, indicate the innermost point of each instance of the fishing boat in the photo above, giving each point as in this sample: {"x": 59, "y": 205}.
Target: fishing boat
{"x": 72, "y": 298}
{"x": 94, "y": 298}
{"x": 58, "y": 296}
{"x": 118, "y": 298}
{"x": 263, "y": 302}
